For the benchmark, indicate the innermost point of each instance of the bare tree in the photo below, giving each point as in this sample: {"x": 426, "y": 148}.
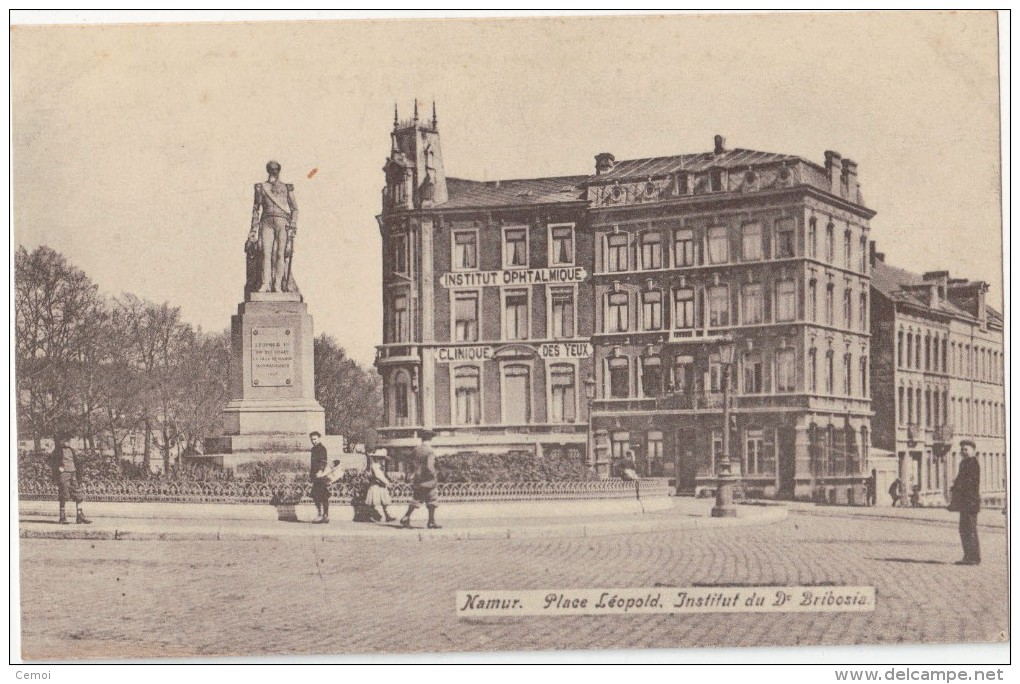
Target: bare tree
{"x": 351, "y": 396}
{"x": 56, "y": 308}
{"x": 202, "y": 385}
{"x": 155, "y": 337}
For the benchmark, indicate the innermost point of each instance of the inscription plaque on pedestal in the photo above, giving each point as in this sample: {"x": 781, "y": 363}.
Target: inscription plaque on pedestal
{"x": 272, "y": 357}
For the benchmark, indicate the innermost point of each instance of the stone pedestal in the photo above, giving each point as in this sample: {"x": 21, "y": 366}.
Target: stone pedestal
{"x": 272, "y": 404}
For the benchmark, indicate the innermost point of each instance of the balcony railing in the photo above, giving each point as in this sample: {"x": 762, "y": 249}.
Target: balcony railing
{"x": 915, "y": 433}
{"x": 691, "y": 401}
{"x": 699, "y": 335}
{"x": 402, "y": 350}
{"x": 942, "y": 434}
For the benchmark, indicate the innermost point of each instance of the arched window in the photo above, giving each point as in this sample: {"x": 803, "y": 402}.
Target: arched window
{"x": 400, "y": 398}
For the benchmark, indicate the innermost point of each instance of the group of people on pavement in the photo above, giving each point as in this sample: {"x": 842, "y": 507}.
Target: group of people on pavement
{"x": 965, "y": 494}
{"x": 424, "y": 481}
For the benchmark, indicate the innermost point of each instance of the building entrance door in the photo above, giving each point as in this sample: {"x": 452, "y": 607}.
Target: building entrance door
{"x": 786, "y": 454}
{"x": 685, "y": 456}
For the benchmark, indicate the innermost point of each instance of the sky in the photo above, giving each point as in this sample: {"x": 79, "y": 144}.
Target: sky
{"x": 135, "y": 148}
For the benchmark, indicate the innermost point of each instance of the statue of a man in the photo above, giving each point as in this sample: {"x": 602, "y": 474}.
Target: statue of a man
{"x": 273, "y": 226}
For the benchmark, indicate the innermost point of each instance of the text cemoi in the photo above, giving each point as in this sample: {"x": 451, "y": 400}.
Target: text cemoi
{"x": 661, "y": 600}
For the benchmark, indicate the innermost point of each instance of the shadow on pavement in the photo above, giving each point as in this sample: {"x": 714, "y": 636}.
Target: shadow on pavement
{"x": 911, "y": 560}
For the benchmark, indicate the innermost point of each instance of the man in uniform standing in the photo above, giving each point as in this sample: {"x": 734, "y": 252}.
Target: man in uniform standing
{"x": 424, "y": 482}
{"x": 273, "y": 225}
{"x": 967, "y": 500}
{"x": 65, "y": 474}
{"x": 320, "y": 484}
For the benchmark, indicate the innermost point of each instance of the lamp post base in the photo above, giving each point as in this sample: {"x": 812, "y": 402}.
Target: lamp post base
{"x": 724, "y": 506}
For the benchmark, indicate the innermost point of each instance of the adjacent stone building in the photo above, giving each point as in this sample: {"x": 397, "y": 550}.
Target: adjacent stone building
{"x": 766, "y": 251}
{"x": 504, "y": 301}
{"x": 937, "y": 378}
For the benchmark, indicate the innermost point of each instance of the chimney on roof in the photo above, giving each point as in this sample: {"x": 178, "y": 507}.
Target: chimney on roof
{"x": 853, "y": 188}
{"x": 604, "y": 162}
{"x": 970, "y": 296}
{"x": 834, "y": 170}
{"x": 720, "y": 145}
{"x": 938, "y": 282}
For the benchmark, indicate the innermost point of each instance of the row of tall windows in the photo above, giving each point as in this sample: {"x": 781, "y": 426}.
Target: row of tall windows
{"x": 516, "y": 314}
{"x": 650, "y": 250}
{"x": 931, "y": 407}
{"x": 827, "y": 315}
{"x": 928, "y": 352}
{"x": 823, "y": 378}
{"x": 757, "y": 372}
{"x": 515, "y": 247}
{"x": 715, "y": 310}
{"x": 936, "y": 353}
{"x": 515, "y": 394}
{"x": 847, "y": 259}
{"x": 836, "y": 451}
{"x": 928, "y": 407}
{"x": 978, "y": 417}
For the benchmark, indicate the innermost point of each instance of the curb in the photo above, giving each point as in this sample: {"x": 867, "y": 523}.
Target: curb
{"x": 570, "y": 530}
{"x": 899, "y": 518}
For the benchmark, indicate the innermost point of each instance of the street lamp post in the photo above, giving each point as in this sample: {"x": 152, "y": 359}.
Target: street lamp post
{"x": 724, "y": 506}
{"x": 589, "y": 393}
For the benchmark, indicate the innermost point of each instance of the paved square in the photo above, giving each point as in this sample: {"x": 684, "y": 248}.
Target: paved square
{"x": 109, "y": 599}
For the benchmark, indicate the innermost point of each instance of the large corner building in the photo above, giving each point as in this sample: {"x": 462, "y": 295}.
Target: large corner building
{"x": 587, "y": 313}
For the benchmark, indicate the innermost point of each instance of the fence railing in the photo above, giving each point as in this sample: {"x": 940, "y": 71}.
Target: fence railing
{"x": 240, "y": 492}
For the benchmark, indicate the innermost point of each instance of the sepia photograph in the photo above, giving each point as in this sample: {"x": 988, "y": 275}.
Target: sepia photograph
{"x": 592, "y": 338}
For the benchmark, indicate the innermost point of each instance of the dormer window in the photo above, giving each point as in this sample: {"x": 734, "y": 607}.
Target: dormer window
{"x": 717, "y": 180}
{"x": 683, "y": 183}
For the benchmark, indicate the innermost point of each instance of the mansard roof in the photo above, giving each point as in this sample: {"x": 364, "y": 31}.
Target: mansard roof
{"x": 468, "y": 193}
{"x": 695, "y": 163}
{"x": 903, "y": 286}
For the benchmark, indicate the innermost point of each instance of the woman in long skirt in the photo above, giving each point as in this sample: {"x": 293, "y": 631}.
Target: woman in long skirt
{"x": 378, "y": 496}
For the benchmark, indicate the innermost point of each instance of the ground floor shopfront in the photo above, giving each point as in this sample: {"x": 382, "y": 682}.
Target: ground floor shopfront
{"x": 779, "y": 454}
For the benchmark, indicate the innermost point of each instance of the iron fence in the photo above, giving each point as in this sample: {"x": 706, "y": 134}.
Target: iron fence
{"x": 344, "y": 492}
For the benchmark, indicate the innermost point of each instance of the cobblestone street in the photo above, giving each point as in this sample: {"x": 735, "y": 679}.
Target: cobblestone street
{"x": 108, "y": 599}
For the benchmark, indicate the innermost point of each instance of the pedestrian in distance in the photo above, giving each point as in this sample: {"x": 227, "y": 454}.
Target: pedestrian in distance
{"x": 628, "y": 468}
{"x": 915, "y": 496}
{"x": 871, "y": 488}
{"x": 378, "y": 495}
{"x": 424, "y": 482}
{"x": 966, "y": 499}
{"x": 63, "y": 462}
{"x": 894, "y": 491}
{"x": 320, "y": 482}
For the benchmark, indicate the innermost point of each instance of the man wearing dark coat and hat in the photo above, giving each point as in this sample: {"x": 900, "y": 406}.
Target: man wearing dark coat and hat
{"x": 967, "y": 500}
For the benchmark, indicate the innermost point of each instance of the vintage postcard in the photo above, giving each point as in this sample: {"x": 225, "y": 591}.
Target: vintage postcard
{"x": 510, "y": 335}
